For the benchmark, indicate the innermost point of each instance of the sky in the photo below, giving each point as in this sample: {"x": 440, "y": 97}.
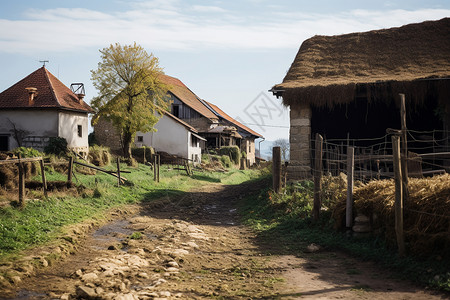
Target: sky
{"x": 229, "y": 52}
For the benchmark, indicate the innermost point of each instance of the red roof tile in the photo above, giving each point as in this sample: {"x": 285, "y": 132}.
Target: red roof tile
{"x": 51, "y": 93}
{"x": 183, "y": 93}
{"x": 230, "y": 119}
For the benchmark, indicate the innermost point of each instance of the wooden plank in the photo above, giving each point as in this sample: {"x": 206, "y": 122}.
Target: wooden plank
{"x": 317, "y": 177}
{"x": 404, "y": 149}
{"x": 15, "y": 161}
{"x": 350, "y": 171}
{"x": 70, "y": 170}
{"x": 21, "y": 184}
{"x": 44, "y": 180}
{"x": 276, "y": 169}
{"x": 398, "y": 195}
{"x": 99, "y": 169}
{"x": 118, "y": 172}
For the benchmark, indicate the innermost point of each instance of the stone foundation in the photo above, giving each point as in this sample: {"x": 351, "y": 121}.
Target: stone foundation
{"x": 300, "y": 139}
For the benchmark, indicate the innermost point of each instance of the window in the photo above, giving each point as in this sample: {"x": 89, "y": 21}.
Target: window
{"x": 80, "y": 130}
{"x": 140, "y": 139}
{"x": 176, "y": 110}
{"x": 194, "y": 141}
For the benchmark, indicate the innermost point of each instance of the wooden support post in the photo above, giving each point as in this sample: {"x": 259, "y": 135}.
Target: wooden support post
{"x": 159, "y": 165}
{"x": 317, "y": 177}
{"x": 155, "y": 166}
{"x": 350, "y": 171}
{"x": 44, "y": 180}
{"x": 398, "y": 195}
{"x": 144, "y": 153}
{"x": 276, "y": 168}
{"x": 69, "y": 171}
{"x": 21, "y": 183}
{"x": 118, "y": 172}
{"x": 404, "y": 150}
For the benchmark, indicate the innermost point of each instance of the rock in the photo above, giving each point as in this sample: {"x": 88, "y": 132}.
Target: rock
{"x": 65, "y": 297}
{"x": 164, "y": 294}
{"x": 16, "y": 279}
{"x": 99, "y": 290}
{"x": 178, "y": 295}
{"x": 143, "y": 275}
{"x": 79, "y": 273}
{"x": 362, "y": 219}
{"x": 85, "y": 292}
{"x": 312, "y": 248}
{"x": 172, "y": 270}
{"x": 192, "y": 245}
{"x": 89, "y": 277}
{"x": 361, "y": 228}
{"x": 128, "y": 296}
{"x": 172, "y": 264}
{"x": 112, "y": 247}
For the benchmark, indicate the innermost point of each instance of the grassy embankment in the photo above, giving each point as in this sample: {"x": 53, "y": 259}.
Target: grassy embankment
{"x": 285, "y": 220}
{"x": 43, "y": 220}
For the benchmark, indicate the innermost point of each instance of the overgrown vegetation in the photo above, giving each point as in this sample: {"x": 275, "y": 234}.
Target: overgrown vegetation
{"x": 57, "y": 146}
{"x": 284, "y": 219}
{"x": 232, "y": 152}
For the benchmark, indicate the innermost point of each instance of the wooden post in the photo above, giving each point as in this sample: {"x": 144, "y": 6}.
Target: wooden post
{"x": 350, "y": 171}
{"x": 144, "y": 154}
{"x": 276, "y": 168}
{"x": 317, "y": 177}
{"x": 404, "y": 150}
{"x": 21, "y": 183}
{"x": 398, "y": 195}
{"x": 159, "y": 165}
{"x": 69, "y": 171}
{"x": 118, "y": 172}
{"x": 44, "y": 180}
{"x": 155, "y": 166}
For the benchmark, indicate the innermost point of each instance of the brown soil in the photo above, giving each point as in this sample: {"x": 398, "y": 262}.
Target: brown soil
{"x": 193, "y": 247}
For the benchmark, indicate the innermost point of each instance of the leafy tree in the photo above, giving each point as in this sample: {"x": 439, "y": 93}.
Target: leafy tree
{"x": 284, "y": 147}
{"x": 130, "y": 91}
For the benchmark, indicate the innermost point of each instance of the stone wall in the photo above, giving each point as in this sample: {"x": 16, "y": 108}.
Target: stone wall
{"x": 106, "y": 135}
{"x": 300, "y": 137}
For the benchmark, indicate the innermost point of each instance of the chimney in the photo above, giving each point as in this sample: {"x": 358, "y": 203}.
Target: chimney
{"x": 32, "y": 92}
{"x": 80, "y": 97}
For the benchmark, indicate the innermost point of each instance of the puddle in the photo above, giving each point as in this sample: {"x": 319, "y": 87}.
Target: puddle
{"x": 111, "y": 233}
{"x": 25, "y": 294}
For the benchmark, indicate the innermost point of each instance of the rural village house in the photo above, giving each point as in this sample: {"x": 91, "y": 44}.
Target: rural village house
{"x": 39, "y": 107}
{"x": 349, "y": 84}
{"x": 192, "y": 126}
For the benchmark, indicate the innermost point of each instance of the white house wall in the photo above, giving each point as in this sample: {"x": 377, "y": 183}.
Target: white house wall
{"x": 170, "y": 137}
{"x": 38, "y": 125}
{"x": 68, "y": 129}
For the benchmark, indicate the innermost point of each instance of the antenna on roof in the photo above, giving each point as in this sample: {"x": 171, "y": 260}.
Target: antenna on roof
{"x": 43, "y": 61}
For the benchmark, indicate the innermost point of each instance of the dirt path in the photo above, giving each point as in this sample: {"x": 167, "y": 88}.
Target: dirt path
{"x": 195, "y": 248}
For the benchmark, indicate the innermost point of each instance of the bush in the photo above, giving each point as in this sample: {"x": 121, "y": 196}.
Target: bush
{"x": 232, "y": 152}
{"x": 99, "y": 155}
{"x": 91, "y": 139}
{"x": 57, "y": 146}
{"x": 27, "y": 152}
{"x": 244, "y": 154}
{"x": 226, "y": 162}
{"x": 138, "y": 154}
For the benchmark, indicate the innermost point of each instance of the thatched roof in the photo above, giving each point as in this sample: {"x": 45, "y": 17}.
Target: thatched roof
{"x": 329, "y": 69}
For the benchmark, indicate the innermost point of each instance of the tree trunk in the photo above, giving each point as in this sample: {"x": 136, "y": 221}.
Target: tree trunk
{"x": 127, "y": 140}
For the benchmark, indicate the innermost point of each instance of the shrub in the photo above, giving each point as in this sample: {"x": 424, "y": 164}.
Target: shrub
{"x": 27, "y": 152}
{"x": 244, "y": 154}
{"x": 232, "y": 152}
{"x": 225, "y": 160}
{"x": 57, "y": 146}
{"x": 99, "y": 155}
{"x": 91, "y": 139}
{"x": 138, "y": 154}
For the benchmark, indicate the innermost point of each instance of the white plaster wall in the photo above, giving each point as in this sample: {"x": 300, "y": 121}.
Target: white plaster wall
{"x": 36, "y": 123}
{"x": 195, "y": 150}
{"x": 170, "y": 137}
{"x": 68, "y": 129}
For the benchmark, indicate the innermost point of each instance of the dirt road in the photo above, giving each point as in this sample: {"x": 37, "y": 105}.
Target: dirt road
{"x": 193, "y": 247}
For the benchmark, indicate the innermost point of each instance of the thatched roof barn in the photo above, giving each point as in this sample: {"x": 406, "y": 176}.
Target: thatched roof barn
{"x": 340, "y": 78}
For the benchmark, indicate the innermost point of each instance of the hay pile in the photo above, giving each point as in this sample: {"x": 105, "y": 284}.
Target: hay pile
{"x": 99, "y": 156}
{"x": 426, "y": 213}
{"x": 9, "y": 174}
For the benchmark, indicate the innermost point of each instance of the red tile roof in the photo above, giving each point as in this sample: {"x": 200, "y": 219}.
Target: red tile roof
{"x": 182, "y": 92}
{"x": 51, "y": 93}
{"x": 230, "y": 119}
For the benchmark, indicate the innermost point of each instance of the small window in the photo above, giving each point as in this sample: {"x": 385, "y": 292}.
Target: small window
{"x": 80, "y": 130}
{"x": 176, "y": 110}
{"x": 140, "y": 139}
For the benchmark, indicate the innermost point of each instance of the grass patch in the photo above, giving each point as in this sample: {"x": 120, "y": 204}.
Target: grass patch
{"x": 285, "y": 220}
{"x": 42, "y": 221}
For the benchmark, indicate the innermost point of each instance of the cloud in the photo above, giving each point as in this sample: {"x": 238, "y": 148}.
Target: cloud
{"x": 168, "y": 25}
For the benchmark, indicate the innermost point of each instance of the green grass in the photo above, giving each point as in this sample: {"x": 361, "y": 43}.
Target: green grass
{"x": 284, "y": 226}
{"x": 43, "y": 220}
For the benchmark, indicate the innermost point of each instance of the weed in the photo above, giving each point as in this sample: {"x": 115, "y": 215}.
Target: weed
{"x": 136, "y": 235}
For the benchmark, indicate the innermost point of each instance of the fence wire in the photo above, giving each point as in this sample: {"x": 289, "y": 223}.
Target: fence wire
{"x": 428, "y": 154}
